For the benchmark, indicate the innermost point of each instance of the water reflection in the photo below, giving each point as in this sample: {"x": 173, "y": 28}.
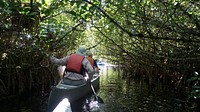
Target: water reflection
{"x": 87, "y": 104}
{"x": 136, "y": 96}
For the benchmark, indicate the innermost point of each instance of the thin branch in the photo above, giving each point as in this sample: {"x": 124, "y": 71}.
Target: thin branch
{"x": 94, "y": 45}
{"x": 72, "y": 29}
{"x": 112, "y": 20}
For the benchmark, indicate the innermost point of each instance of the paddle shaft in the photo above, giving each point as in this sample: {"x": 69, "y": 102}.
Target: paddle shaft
{"x": 95, "y": 95}
{"x": 93, "y": 91}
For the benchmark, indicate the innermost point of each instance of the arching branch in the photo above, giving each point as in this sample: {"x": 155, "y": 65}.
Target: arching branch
{"x": 112, "y": 20}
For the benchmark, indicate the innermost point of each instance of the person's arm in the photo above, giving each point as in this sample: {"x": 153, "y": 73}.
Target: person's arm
{"x": 89, "y": 69}
{"x": 95, "y": 65}
{"x": 61, "y": 61}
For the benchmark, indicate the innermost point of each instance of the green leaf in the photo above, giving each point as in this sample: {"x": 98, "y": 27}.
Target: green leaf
{"x": 73, "y": 13}
{"x": 43, "y": 2}
{"x": 39, "y": 4}
{"x": 92, "y": 8}
{"x": 47, "y": 11}
{"x": 192, "y": 79}
{"x": 8, "y": 11}
{"x": 196, "y": 87}
{"x": 32, "y": 13}
{"x": 84, "y": 7}
{"x": 2, "y": 4}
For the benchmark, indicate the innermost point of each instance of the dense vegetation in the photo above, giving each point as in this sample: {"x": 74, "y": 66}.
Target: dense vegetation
{"x": 151, "y": 38}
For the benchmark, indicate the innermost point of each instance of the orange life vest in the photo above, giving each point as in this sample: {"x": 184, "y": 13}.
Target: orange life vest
{"x": 74, "y": 63}
{"x": 91, "y": 60}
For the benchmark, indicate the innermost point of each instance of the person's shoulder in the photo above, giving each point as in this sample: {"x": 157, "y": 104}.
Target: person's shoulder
{"x": 66, "y": 57}
{"x": 85, "y": 59}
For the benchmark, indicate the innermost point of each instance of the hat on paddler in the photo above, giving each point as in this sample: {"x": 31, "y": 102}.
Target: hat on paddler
{"x": 81, "y": 51}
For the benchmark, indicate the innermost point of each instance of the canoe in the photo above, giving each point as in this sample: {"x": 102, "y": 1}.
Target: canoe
{"x": 72, "y": 93}
{"x": 100, "y": 63}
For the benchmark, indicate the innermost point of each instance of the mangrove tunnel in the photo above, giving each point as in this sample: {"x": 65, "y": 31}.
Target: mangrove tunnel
{"x": 150, "y": 39}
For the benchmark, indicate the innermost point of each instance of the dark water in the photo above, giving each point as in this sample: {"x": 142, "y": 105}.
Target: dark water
{"x": 31, "y": 102}
{"x": 118, "y": 96}
{"x": 138, "y": 96}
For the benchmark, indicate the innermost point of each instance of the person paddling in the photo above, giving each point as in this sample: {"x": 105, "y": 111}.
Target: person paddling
{"x": 76, "y": 67}
{"x": 93, "y": 62}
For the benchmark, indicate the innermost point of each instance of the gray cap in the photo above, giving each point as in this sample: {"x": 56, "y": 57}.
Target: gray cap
{"x": 81, "y": 51}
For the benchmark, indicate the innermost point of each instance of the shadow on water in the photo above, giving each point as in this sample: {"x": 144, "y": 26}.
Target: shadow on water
{"x": 118, "y": 95}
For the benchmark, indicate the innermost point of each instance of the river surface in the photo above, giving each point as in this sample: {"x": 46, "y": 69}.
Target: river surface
{"x": 118, "y": 96}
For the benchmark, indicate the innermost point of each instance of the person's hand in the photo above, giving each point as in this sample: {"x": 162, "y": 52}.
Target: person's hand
{"x": 89, "y": 80}
{"x": 97, "y": 68}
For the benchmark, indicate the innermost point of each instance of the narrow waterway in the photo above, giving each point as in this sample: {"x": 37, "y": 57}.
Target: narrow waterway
{"x": 137, "y": 96}
{"x": 117, "y": 94}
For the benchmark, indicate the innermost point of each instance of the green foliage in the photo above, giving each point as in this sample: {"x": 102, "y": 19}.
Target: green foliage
{"x": 27, "y": 38}
{"x": 194, "y": 93}
{"x": 192, "y": 79}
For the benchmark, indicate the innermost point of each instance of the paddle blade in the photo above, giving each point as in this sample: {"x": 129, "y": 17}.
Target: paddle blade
{"x": 98, "y": 99}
